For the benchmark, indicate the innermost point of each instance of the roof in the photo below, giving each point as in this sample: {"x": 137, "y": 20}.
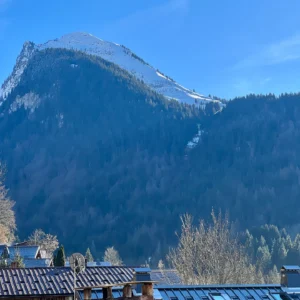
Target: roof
{"x": 293, "y": 292}
{"x": 142, "y": 270}
{"x": 24, "y": 251}
{"x": 98, "y": 294}
{"x": 291, "y": 267}
{"x": 57, "y": 281}
{"x": 166, "y": 276}
{"x": 94, "y": 264}
{"x": 116, "y": 291}
{"x": 227, "y": 292}
{"x": 24, "y": 243}
{"x": 35, "y": 263}
{"x": 186, "y": 292}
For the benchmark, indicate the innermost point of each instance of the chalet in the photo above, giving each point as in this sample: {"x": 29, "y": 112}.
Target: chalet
{"x": 32, "y": 255}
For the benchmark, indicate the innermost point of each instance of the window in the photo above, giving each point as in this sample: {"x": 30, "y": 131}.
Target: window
{"x": 217, "y": 297}
{"x": 173, "y": 298}
{"x": 189, "y": 298}
{"x": 278, "y": 297}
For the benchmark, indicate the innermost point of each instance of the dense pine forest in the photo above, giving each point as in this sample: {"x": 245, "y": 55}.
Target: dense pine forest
{"x": 94, "y": 156}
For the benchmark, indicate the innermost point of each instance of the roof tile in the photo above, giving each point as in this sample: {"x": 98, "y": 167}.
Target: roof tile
{"x": 51, "y": 280}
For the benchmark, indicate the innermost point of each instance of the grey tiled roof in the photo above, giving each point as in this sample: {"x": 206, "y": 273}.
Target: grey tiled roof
{"x": 94, "y": 264}
{"x": 57, "y": 281}
{"x": 198, "y": 292}
{"x": 291, "y": 267}
{"x": 166, "y": 276}
{"x": 24, "y": 251}
{"x": 227, "y": 292}
{"x": 36, "y": 263}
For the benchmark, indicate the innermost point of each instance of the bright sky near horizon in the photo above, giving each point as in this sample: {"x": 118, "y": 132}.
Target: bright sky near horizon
{"x": 224, "y": 48}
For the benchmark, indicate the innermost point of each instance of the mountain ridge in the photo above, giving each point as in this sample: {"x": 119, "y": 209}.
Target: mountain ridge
{"x": 115, "y": 53}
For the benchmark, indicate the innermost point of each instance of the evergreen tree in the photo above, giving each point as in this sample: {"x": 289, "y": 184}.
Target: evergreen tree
{"x": 18, "y": 260}
{"x": 4, "y": 257}
{"x": 88, "y": 255}
{"x": 60, "y": 257}
{"x": 54, "y": 258}
{"x": 5, "y": 253}
{"x": 3, "y": 263}
{"x": 263, "y": 257}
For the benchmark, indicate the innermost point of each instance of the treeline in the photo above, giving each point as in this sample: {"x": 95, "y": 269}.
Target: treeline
{"x": 268, "y": 246}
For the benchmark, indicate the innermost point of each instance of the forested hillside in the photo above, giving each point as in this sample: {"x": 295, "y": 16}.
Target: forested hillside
{"x": 248, "y": 162}
{"x": 89, "y": 150}
{"x": 94, "y": 156}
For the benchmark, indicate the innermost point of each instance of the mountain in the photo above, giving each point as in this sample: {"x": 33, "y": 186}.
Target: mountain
{"x": 117, "y": 54}
{"x": 96, "y": 156}
{"x": 88, "y": 148}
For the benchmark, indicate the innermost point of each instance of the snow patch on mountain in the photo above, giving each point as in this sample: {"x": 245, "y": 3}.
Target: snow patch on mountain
{"x": 29, "y": 101}
{"x": 194, "y": 142}
{"x": 60, "y": 120}
{"x": 115, "y": 53}
{"x": 127, "y": 60}
{"x": 22, "y": 61}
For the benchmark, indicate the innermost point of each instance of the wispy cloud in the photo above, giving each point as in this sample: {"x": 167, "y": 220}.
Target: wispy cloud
{"x": 4, "y": 4}
{"x": 277, "y": 53}
{"x": 265, "y": 81}
{"x": 155, "y": 16}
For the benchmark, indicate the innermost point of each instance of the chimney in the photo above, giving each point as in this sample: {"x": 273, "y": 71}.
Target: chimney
{"x": 290, "y": 276}
{"x": 127, "y": 291}
{"x": 141, "y": 274}
{"x": 147, "y": 289}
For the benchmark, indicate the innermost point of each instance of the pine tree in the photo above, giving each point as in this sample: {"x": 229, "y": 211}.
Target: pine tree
{"x": 60, "y": 257}
{"x": 54, "y": 258}
{"x": 88, "y": 255}
{"x": 18, "y": 260}
{"x": 264, "y": 257}
{"x": 3, "y": 263}
{"x": 5, "y": 253}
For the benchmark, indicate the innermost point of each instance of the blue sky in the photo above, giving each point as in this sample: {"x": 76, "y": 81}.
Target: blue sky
{"x": 224, "y": 48}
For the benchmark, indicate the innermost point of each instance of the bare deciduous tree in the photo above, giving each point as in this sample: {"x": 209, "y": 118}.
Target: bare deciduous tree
{"x": 47, "y": 242}
{"x": 211, "y": 254}
{"x": 7, "y": 215}
{"x": 111, "y": 255}
{"x": 273, "y": 277}
{"x": 161, "y": 265}
{"x": 4, "y": 234}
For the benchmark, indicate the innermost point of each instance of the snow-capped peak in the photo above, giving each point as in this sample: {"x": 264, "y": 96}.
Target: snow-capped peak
{"x": 119, "y": 55}
{"x": 21, "y": 63}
